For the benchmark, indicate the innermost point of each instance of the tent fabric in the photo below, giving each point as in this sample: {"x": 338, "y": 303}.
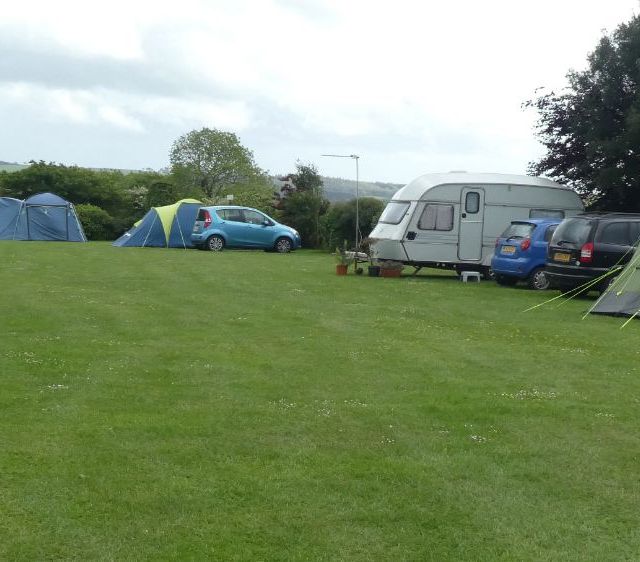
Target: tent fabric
{"x": 622, "y": 297}
{"x": 44, "y": 216}
{"x": 169, "y": 226}
{"x": 9, "y": 212}
{"x": 47, "y": 200}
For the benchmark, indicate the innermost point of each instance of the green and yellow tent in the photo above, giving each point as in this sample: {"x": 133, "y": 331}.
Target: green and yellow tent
{"x": 164, "y": 227}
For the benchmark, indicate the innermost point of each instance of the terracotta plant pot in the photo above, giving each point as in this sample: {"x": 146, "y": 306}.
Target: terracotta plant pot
{"x": 390, "y": 272}
{"x": 341, "y": 269}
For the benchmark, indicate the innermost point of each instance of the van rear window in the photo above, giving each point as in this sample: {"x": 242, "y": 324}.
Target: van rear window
{"x": 394, "y": 212}
{"x": 572, "y": 231}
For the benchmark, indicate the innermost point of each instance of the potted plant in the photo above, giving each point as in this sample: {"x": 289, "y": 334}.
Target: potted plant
{"x": 343, "y": 259}
{"x": 391, "y": 268}
{"x": 374, "y": 268}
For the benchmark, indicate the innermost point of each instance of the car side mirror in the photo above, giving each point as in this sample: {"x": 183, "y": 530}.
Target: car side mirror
{"x": 267, "y": 223}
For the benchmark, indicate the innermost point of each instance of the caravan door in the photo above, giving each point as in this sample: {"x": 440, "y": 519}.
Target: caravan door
{"x": 471, "y": 224}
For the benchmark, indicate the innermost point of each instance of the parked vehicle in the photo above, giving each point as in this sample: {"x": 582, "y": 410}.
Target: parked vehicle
{"x": 585, "y": 247}
{"x": 223, "y": 226}
{"x": 521, "y": 252}
{"x": 452, "y": 220}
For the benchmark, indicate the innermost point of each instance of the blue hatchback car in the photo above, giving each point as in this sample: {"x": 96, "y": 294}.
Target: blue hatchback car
{"x": 223, "y": 226}
{"x": 521, "y": 252}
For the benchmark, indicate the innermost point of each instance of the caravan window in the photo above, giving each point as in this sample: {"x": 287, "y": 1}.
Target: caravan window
{"x": 436, "y": 217}
{"x": 472, "y": 202}
{"x": 546, "y": 214}
{"x": 394, "y": 212}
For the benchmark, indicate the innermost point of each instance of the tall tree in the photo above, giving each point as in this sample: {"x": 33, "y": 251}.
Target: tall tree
{"x": 591, "y": 130}
{"x": 211, "y": 160}
{"x": 302, "y": 202}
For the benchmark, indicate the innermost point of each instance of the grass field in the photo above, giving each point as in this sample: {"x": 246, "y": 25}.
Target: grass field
{"x": 184, "y": 405}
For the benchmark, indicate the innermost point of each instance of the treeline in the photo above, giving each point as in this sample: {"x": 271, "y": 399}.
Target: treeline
{"x": 109, "y": 202}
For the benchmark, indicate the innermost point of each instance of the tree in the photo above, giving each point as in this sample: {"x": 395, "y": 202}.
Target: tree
{"x": 96, "y": 222}
{"x": 125, "y": 197}
{"x": 591, "y": 130}
{"x": 340, "y": 221}
{"x": 302, "y": 203}
{"x": 211, "y": 160}
{"x": 258, "y": 193}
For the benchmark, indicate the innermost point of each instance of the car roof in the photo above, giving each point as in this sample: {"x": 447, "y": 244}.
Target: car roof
{"x": 546, "y": 220}
{"x": 222, "y": 207}
{"x": 607, "y": 215}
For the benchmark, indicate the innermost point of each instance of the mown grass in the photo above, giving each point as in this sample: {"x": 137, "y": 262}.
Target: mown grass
{"x": 183, "y": 405}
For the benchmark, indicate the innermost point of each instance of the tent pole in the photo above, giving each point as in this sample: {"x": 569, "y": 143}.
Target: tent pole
{"x": 15, "y": 228}
{"x": 184, "y": 244}
{"x": 28, "y": 228}
{"x": 149, "y": 231}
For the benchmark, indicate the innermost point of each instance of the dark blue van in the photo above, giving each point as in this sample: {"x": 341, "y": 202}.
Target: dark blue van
{"x": 521, "y": 252}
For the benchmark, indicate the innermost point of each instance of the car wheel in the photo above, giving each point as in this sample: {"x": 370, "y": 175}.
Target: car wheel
{"x": 215, "y": 243}
{"x": 505, "y": 280}
{"x": 282, "y": 245}
{"x": 538, "y": 280}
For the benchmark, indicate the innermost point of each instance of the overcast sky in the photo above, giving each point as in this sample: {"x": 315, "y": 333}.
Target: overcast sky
{"x": 412, "y": 86}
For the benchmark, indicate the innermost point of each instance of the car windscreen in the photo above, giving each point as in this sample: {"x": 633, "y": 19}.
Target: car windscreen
{"x": 574, "y": 231}
{"x": 519, "y": 230}
{"x": 394, "y": 212}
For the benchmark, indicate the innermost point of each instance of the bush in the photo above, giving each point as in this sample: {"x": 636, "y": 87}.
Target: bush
{"x": 96, "y": 222}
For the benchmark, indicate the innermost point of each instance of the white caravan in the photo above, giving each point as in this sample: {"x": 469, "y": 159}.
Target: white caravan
{"x": 452, "y": 220}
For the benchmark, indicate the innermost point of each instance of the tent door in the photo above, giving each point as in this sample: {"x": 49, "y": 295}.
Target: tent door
{"x": 471, "y": 224}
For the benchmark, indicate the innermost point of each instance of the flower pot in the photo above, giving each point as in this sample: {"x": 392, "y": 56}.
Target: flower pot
{"x": 374, "y": 271}
{"x": 341, "y": 269}
{"x": 390, "y": 272}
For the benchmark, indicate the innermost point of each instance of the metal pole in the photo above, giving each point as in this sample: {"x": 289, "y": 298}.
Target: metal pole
{"x": 356, "y": 157}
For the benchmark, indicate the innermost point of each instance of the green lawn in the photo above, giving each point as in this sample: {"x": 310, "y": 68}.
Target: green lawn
{"x": 184, "y": 405}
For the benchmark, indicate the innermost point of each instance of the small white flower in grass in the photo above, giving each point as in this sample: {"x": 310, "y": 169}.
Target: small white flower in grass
{"x": 478, "y": 438}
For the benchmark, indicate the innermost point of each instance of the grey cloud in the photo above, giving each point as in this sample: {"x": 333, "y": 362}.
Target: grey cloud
{"x": 159, "y": 76}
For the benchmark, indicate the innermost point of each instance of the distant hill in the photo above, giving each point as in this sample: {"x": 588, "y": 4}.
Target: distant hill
{"x": 11, "y": 166}
{"x": 339, "y": 189}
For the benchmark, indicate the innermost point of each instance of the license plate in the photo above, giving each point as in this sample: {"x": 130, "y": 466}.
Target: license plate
{"x": 508, "y": 250}
{"x": 565, "y": 258}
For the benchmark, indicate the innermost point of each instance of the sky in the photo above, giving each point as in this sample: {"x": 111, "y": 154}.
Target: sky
{"x": 410, "y": 86}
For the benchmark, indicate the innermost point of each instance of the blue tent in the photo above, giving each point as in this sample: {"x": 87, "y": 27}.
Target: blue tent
{"x": 9, "y": 212}
{"x": 164, "y": 227}
{"x": 44, "y": 216}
